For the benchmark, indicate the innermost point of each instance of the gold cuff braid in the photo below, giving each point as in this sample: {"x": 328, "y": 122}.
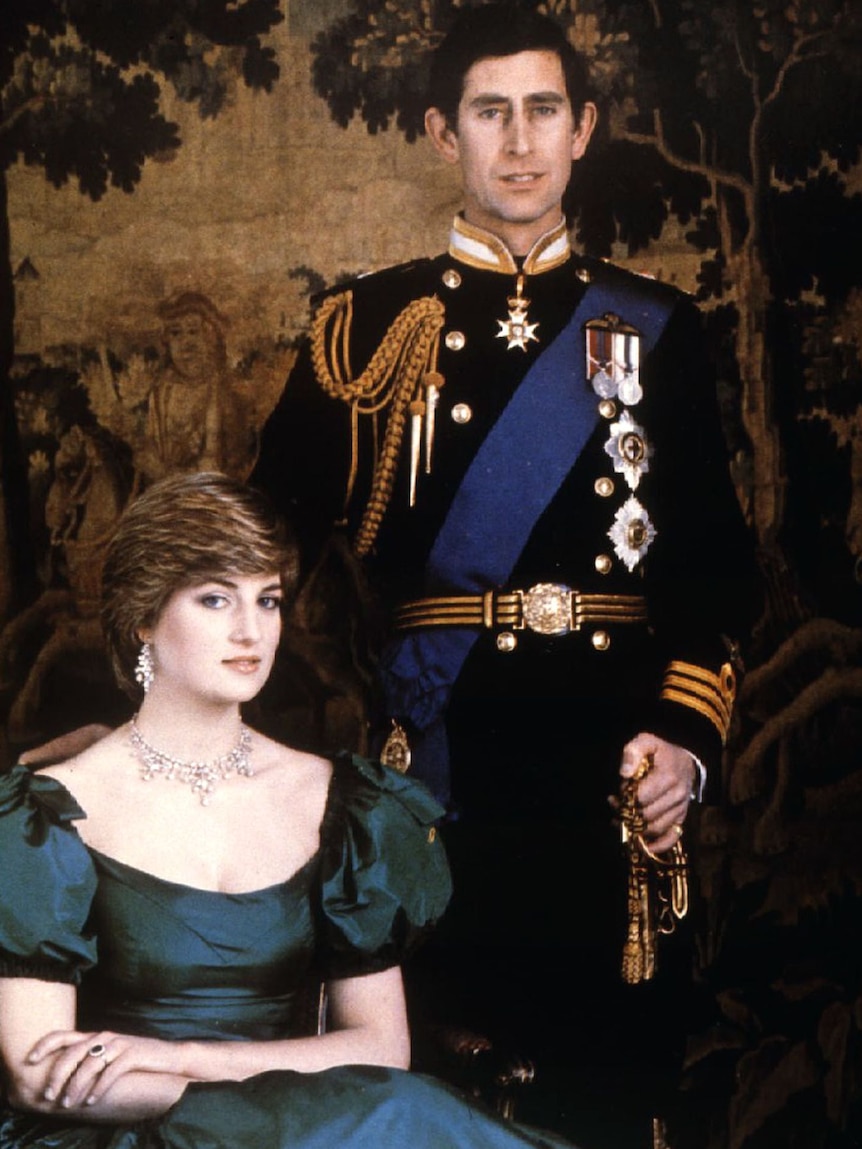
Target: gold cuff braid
{"x": 711, "y": 695}
{"x": 392, "y": 379}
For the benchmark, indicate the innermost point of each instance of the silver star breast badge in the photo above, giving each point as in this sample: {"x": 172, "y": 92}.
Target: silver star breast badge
{"x": 629, "y": 449}
{"x": 632, "y": 533}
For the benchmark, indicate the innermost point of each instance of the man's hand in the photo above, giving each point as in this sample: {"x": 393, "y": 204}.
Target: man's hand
{"x": 665, "y": 793}
{"x": 66, "y": 746}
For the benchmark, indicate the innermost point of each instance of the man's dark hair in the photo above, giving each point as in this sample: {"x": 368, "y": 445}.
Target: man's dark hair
{"x": 494, "y": 30}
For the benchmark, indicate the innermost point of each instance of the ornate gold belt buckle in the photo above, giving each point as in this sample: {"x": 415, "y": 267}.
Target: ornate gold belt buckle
{"x": 547, "y": 608}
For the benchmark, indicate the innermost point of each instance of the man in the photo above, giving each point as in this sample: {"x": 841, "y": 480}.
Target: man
{"x": 524, "y": 449}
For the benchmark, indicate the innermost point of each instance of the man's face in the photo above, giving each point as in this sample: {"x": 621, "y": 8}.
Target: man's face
{"x": 515, "y": 141}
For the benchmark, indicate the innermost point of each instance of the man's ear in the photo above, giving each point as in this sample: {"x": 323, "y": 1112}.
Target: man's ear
{"x": 583, "y": 130}
{"x": 444, "y": 139}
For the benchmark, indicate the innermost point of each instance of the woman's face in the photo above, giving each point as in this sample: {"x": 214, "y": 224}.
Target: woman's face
{"x": 216, "y": 641}
{"x": 191, "y": 344}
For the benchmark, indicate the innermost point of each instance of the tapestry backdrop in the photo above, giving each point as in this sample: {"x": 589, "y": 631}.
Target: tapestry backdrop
{"x": 174, "y": 187}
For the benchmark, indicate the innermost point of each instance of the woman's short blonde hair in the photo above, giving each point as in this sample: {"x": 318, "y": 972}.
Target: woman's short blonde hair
{"x": 184, "y": 530}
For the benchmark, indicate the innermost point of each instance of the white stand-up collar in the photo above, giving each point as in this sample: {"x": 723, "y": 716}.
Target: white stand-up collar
{"x": 482, "y": 249}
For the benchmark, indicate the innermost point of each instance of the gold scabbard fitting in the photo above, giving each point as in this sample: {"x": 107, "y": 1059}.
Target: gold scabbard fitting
{"x": 657, "y": 890}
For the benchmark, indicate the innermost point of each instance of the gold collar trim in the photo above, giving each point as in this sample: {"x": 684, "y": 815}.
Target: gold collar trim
{"x": 487, "y": 252}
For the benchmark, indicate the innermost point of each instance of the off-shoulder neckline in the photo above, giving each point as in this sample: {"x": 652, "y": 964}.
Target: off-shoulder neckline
{"x": 325, "y": 824}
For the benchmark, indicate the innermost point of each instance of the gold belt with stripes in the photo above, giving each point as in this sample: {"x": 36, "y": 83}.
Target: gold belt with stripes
{"x": 546, "y": 608}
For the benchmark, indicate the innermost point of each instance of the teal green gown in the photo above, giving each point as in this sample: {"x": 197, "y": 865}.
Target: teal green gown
{"x": 157, "y": 958}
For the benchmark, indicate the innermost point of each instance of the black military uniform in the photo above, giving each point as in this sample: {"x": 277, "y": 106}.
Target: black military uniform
{"x": 405, "y": 375}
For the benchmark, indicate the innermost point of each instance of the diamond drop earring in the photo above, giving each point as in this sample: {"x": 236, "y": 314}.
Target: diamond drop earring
{"x": 144, "y": 669}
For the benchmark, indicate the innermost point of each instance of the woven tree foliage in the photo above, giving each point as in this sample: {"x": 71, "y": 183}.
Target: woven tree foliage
{"x": 80, "y": 97}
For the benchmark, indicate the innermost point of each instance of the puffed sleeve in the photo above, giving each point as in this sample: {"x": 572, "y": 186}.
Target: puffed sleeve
{"x": 384, "y": 874}
{"x": 48, "y": 881}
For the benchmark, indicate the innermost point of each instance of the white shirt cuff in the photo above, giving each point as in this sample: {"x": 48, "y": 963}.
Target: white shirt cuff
{"x": 699, "y": 784}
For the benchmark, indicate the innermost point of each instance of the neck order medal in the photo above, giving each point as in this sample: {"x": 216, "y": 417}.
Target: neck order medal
{"x": 517, "y": 328}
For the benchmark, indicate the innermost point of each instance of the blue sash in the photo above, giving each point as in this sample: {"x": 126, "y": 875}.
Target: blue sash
{"x": 513, "y": 477}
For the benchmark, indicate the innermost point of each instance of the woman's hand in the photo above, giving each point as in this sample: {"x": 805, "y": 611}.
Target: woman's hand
{"x": 86, "y": 1065}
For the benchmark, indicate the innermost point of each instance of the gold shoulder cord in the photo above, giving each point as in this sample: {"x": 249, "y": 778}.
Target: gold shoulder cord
{"x": 657, "y": 886}
{"x": 393, "y": 379}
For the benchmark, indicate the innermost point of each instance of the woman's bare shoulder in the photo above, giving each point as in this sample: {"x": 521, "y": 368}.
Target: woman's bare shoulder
{"x": 293, "y": 786}
{"x": 276, "y": 756}
{"x": 288, "y": 769}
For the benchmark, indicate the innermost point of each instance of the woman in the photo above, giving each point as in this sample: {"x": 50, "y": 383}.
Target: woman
{"x": 176, "y": 884}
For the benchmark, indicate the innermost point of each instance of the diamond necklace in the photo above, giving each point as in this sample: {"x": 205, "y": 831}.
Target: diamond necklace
{"x": 201, "y": 776}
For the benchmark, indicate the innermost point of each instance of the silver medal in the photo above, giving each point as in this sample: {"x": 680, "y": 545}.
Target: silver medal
{"x": 630, "y": 390}
{"x": 613, "y": 359}
{"x": 627, "y": 366}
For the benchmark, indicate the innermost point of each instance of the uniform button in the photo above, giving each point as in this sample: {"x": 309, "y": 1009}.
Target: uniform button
{"x": 451, "y": 278}
{"x": 601, "y": 640}
{"x": 455, "y": 340}
{"x": 506, "y": 642}
{"x": 607, "y": 408}
{"x": 462, "y": 413}
{"x": 604, "y": 564}
{"x": 604, "y": 487}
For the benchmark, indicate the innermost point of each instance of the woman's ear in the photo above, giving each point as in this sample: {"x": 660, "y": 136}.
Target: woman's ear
{"x": 442, "y": 136}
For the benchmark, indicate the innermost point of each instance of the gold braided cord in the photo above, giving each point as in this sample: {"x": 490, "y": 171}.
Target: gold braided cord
{"x": 414, "y": 361}
{"x": 393, "y": 378}
{"x": 330, "y": 353}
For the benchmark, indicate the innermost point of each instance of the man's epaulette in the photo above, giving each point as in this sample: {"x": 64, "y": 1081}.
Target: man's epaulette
{"x": 604, "y": 270}
{"x": 398, "y": 278}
